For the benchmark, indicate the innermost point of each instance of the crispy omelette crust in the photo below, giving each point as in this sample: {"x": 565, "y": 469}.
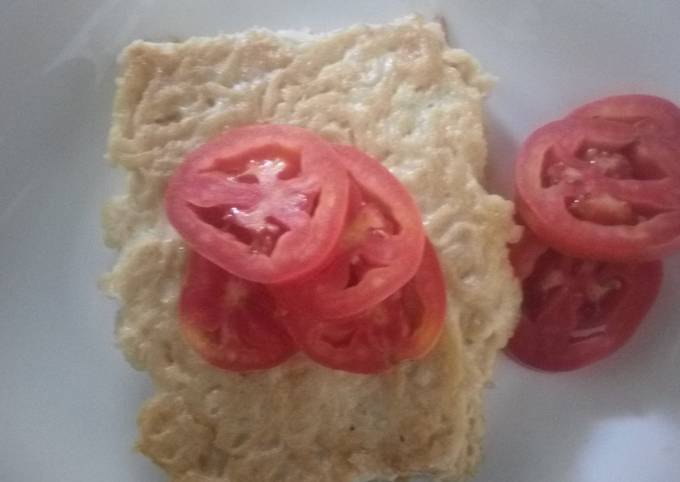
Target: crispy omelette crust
{"x": 396, "y": 91}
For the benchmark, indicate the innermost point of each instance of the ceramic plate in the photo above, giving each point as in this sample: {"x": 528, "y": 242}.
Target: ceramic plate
{"x": 68, "y": 400}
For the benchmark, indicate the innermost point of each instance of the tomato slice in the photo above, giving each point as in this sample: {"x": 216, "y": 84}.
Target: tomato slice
{"x": 231, "y": 322}
{"x": 264, "y": 202}
{"x": 379, "y": 250}
{"x": 405, "y": 326}
{"x": 604, "y": 188}
{"x": 575, "y": 311}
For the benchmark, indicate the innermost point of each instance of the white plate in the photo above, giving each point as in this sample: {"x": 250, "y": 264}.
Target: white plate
{"x": 68, "y": 401}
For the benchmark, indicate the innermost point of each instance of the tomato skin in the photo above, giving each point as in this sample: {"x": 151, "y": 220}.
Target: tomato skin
{"x": 405, "y": 326}
{"x": 429, "y": 286}
{"x": 380, "y": 249}
{"x": 264, "y": 202}
{"x": 650, "y": 114}
{"x": 232, "y": 323}
{"x": 621, "y": 206}
{"x": 576, "y": 312}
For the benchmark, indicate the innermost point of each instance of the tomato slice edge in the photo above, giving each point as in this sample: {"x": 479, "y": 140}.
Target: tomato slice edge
{"x": 530, "y": 344}
{"x": 549, "y": 217}
{"x": 429, "y": 283}
{"x": 212, "y": 301}
{"x": 310, "y": 248}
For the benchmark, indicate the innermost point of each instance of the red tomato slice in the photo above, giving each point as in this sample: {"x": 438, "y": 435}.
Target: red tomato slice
{"x": 229, "y": 321}
{"x": 603, "y": 189}
{"x": 264, "y": 202}
{"x": 405, "y": 326}
{"x": 379, "y": 251}
{"x": 576, "y": 312}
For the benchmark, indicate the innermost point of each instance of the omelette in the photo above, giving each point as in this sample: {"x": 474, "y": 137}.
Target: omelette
{"x": 398, "y": 92}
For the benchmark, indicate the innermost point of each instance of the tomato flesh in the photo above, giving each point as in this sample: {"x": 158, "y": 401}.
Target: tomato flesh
{"x": 232, "y": 323}
{"x": 379, "y": 250}
{"x": 264, "y": 202}
{"x": 602, "y": 189}
{"x": 577, "y": 311}
{"x": 404, "y": 326}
